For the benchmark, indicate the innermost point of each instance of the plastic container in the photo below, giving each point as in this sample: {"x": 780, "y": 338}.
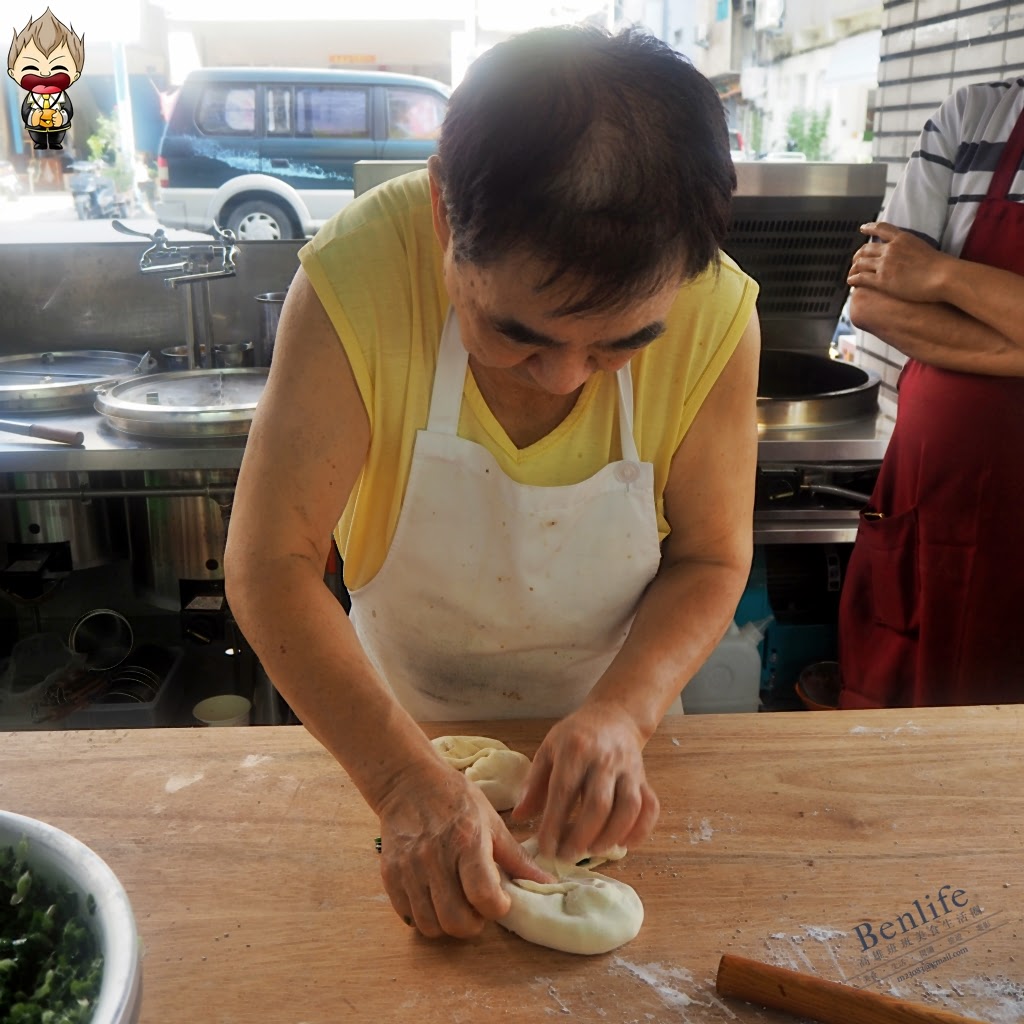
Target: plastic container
{"x": 165, "y": 661}
{"x": 819, "y": 686}
{"x": 730, "y": 680}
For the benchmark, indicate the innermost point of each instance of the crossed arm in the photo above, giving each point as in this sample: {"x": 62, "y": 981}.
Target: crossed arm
{"x": 948, "y": 312}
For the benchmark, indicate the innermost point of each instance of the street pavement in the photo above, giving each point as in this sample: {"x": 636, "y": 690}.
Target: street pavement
{"x": 51, "y": 217}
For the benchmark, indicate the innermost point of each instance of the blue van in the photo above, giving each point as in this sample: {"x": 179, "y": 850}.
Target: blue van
{"x": 269, "y": 152}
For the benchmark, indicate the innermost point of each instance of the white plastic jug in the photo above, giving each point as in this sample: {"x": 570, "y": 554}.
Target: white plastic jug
{"x": 730, "y": 680}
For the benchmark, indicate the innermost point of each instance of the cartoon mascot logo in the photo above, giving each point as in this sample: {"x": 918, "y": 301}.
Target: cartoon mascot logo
{"x": 46, "y": 58}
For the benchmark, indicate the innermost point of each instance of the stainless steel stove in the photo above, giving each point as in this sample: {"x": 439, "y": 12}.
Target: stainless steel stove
{"x": 795, "y": 228}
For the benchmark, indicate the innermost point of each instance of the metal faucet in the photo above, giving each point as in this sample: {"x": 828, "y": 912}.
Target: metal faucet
{"x": 199, "y": 263}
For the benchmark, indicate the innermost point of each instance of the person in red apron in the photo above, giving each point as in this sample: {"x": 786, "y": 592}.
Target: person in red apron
{"x": 533, "y": 433}
{"x": 931, "y": 603}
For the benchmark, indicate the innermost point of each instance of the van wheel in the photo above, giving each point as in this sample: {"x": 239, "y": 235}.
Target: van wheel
{"x": 260, "y": 220}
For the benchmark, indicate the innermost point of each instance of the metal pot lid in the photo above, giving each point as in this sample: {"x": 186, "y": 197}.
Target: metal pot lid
{"x": 54, "y": 381}
{"x": 185, "y": 403}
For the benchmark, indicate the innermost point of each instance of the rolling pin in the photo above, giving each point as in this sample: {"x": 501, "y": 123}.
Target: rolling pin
{"x": 821, "y": 1000}
{"x": 75, "y": 437}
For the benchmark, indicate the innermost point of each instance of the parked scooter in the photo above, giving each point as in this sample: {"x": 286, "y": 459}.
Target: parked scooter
{"x": 94, "y": 193}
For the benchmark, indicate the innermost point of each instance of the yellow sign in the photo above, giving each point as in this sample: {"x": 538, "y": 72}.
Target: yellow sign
{"x": 352, "y": 58}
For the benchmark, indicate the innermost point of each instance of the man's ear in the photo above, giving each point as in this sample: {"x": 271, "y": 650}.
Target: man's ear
{"x": 440, "y": 212}
{"x": 10, "y": 71}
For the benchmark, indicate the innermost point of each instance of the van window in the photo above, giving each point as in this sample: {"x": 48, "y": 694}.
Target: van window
{"x": 332, "y": 111}
{"x": 279, "y": 109}
{"x": 414, "y": 114}
{"x": 227, "y": 110}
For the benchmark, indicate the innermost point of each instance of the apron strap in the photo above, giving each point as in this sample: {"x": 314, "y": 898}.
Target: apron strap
{"x": 450, "y": 380}
{"x": 1009, "y": 162}
{"x": 626, "y": 440}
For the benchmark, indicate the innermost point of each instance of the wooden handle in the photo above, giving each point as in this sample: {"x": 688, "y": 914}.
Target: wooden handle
{"x": 825, "y": 1001}
{"x": 74, "y": 437}
{"x": 40, "y": 430}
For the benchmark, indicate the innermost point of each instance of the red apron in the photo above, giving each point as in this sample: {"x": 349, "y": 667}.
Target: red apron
{"x": 932, "y": 609}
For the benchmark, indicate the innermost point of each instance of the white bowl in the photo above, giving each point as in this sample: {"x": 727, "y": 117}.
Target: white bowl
{"x": 59, "y": 857}
{"x": 224, "y": 709}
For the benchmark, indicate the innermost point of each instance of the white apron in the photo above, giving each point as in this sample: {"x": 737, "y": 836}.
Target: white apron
{"x": 499, "y": 599}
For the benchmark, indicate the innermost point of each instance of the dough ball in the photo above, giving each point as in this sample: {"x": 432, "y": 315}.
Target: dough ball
{"x": 588, "y": 861}
{"x": 583, "y": 912}
{"x": 499, "y": 772}
{"x": 461, "y": 751}
{"x": 595, "y": 860}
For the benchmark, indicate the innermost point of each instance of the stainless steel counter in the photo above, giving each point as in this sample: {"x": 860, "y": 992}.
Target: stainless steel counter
{"x": 105, "y": 448}
{"x": 108, "y": 449}
{"x": 861, "y": 440}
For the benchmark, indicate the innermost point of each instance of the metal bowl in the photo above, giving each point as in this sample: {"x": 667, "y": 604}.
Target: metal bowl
{"x": 104, "y": 636}
{"x": 802, "y": 389}
{"x": 59, "y": 857}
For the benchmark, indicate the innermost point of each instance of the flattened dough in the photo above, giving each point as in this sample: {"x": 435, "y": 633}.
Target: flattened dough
{"x": 499, "y": 772}
{"x": 583, "y": 912}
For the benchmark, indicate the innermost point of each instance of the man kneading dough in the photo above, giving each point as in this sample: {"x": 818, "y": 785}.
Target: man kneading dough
{"x": 582, "y": 911}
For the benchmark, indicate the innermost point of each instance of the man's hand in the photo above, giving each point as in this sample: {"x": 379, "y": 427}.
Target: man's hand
{"x": 593, "y": 759}
{"x": 900, "y": 265}
{"x": 442, "y": 845}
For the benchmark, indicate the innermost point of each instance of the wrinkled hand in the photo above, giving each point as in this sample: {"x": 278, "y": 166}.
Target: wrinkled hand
{"x": 901, "y": 265}
{"x": 591, "y": 762}
{"x": 442, "y": 845}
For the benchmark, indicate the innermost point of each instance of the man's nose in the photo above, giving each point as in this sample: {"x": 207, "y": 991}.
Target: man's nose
{"x": 561, "y": 373}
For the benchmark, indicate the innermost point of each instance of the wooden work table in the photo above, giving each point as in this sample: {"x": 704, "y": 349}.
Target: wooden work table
{"x": 797, "y": 839}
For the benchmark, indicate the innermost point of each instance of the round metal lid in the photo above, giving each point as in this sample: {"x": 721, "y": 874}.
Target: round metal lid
{"x": 186, "y": 403}
{"x": 55, "y": 381}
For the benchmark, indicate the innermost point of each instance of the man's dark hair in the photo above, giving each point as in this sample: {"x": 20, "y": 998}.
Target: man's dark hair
{"x": 604, "y": 156}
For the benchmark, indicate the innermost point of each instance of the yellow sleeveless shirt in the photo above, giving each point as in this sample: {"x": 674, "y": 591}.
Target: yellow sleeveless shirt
{"x": 376, "y": 267}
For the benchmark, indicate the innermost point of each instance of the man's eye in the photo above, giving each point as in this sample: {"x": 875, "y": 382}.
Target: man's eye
{"x": 57, "y": 67}
{"x": 514, "y": 340}
{"x": 30, "y": 67}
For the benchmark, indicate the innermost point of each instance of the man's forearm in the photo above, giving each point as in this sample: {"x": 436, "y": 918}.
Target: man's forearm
{"x": 309, "y": 649}
{"x": 937, "y": 334}
{"x": 989, "y": 295}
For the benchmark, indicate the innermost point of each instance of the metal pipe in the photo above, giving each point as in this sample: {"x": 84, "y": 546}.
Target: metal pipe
{"x": 839, "y": 492}
{"x": 191, "y": 341}
{"x": 87, "y": 493}
{"x": 831, "y": 467}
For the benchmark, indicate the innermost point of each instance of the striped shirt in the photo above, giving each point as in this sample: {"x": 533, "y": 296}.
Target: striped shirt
{"x": 950, "y": 172}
